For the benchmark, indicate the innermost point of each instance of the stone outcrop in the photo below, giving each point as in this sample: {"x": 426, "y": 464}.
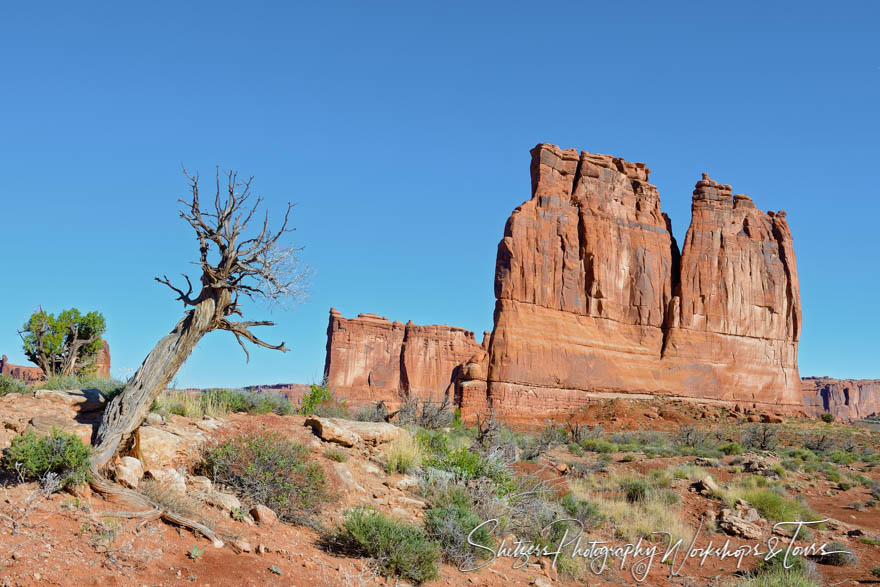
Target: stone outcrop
{"x": 370, "y": 358}
{"x": 846, "y": 399}
{"x": 26, "y": 373}
{"x": 594, "y": 299}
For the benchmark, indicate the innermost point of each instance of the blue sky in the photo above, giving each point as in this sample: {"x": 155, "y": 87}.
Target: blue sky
{"x": 402, "y": 130}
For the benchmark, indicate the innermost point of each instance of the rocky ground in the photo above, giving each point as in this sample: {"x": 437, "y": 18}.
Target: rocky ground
{"x": 73, "y": 537}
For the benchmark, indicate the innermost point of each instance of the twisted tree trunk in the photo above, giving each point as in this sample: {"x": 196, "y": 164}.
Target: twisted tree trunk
{"x": 129, "y": 408}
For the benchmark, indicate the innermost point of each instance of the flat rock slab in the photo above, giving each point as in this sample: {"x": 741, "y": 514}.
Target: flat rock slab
{"x": 85, "y": 400}
{"x": 351, "y": 432}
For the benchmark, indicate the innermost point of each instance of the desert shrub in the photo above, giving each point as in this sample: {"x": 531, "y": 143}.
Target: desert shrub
{"x": 217, "y": 403}
{"x": 268, "y": 469}
{"x": 779, "y": 508}
{"x": 772, "y": 573}
{"x": 425, "y": 413}
{"x": 599, "y": 445}
{"x": 582, "y": 510}
{"x": 838, "y": 555}
{"x": 59, "y": 453}
{"x": 534, "y": 446}
{"x": 692, "y": 436}
{"x": 760, "y": 437}
{"x": 468, "y": 465}
{"x": 876, "y": 571}
{"x": 10, "y": 385}
{"x": 575, "y": 449}
{"x": 818, "y": 442}
{"x": 320, "y": 401}
{"x": 635, "y": 490}
{"x": 450, "y": 525}
{"x": 731, "y": 448}
{"x": 827, "y": 417}
{"x": 398, "y": 548}
{"x": 402, "y": 455}
{"x": 376, "y": 412}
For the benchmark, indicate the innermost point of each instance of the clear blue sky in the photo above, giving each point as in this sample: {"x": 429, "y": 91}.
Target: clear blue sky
{"x": 403, "y": 131}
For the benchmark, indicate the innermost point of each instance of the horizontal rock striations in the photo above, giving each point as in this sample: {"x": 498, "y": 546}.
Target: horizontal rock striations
{"x": 593, "y": 296}
{"x": 370, "y": 358}
{"x": 594, "y": 299}
{"x": 846, "y": 399}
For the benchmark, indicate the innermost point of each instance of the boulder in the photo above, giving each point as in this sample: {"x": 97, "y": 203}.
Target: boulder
{"x": 168, "y": 477}
{"x": 352, "y": 433}
{"x": 83, "y": 400}
{"x": 263, "y": 515}
{"x": 129, "y": 472}
{"x": 44, "y": 424}
{"x": 200, "y": 483}
{"x": 706, "y": 485}
{"x": 223, "y": 501}
{"x": 731, "y": 522}
{"x": 156, "y": 447}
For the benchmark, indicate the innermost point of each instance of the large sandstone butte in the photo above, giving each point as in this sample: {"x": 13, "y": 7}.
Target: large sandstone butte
{"x": 594, "y": 298}
{"x": 846, "y": 399}
{"x": 370, "y": 358}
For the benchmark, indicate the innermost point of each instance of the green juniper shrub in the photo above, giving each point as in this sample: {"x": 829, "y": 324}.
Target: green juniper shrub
{"x": 268, "y": 469}
{"x": 828, "y": 417}
{"x": 451, "y": 526}
{"x": 400, "y": 549}
{"x": 60, "y": 452}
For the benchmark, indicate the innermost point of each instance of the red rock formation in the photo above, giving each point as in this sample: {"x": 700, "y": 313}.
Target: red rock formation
{"x": 102, "y": 360}
{"x": 28, "y": 374}
{"x": 370, "y": 358}
{"x": 847, "y": 399}
{"x": 593, "y": 297}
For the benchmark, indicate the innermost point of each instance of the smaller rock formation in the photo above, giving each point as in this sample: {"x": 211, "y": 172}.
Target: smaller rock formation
{"x": 370, "y": 358}
{"x": 28, "y": 374}
{"x": 846, "y": 399}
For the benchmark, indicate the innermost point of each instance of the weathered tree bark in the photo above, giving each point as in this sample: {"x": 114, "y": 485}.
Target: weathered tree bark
{"x": 128, "y": 409}
{"x": 255, "y": 266}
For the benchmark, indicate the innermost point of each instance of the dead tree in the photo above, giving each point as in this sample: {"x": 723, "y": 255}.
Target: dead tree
{"x": 259, "y": 267}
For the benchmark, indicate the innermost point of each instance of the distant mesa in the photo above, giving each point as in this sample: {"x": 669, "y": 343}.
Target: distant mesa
{"x": 594, "y": 298}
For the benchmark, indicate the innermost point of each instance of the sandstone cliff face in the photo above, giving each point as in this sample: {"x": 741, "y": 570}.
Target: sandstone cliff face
{"x": 847, "y": 399}
{"x": 32, "y": 374}
{"x": 594, "y": 298}
{"x": 370, "y": 358}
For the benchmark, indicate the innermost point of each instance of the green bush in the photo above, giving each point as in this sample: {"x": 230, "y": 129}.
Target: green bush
{"x": 585, "y": 512}
{"x": 772, "y": 573}
{"x": 399, "y": 549}
{"x": 450, "y": 526}
{"x": 61, "y": 453}
{"x": 598, "y": 445}
{"x": 635, "y": 490}
{"x": 10, "y": 385}
{"x": 731, "y": 448}
{"x": 468, "y": 465}
{"x": 318, "y": 394}
{"x": 778, "y": 508}
{"x": 271, "y": 470}
{"x": 828, "y": 417}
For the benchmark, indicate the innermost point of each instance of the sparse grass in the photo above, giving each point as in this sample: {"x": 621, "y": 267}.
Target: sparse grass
{"x": 334, "y": 454}
{"x": 217, "y": 403}
{"x": 771, "y": 503}
{"x": 399, "y": 549}
{"x": 403, "y": 455}
{"x": 772, "y": 573}
{"x": 838, "y": 555}
{"x": 60, "y": 453}
{"x": 450, "y": 526}
{"x": 690, "y": 472}
{"x": 109, "y": 387}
